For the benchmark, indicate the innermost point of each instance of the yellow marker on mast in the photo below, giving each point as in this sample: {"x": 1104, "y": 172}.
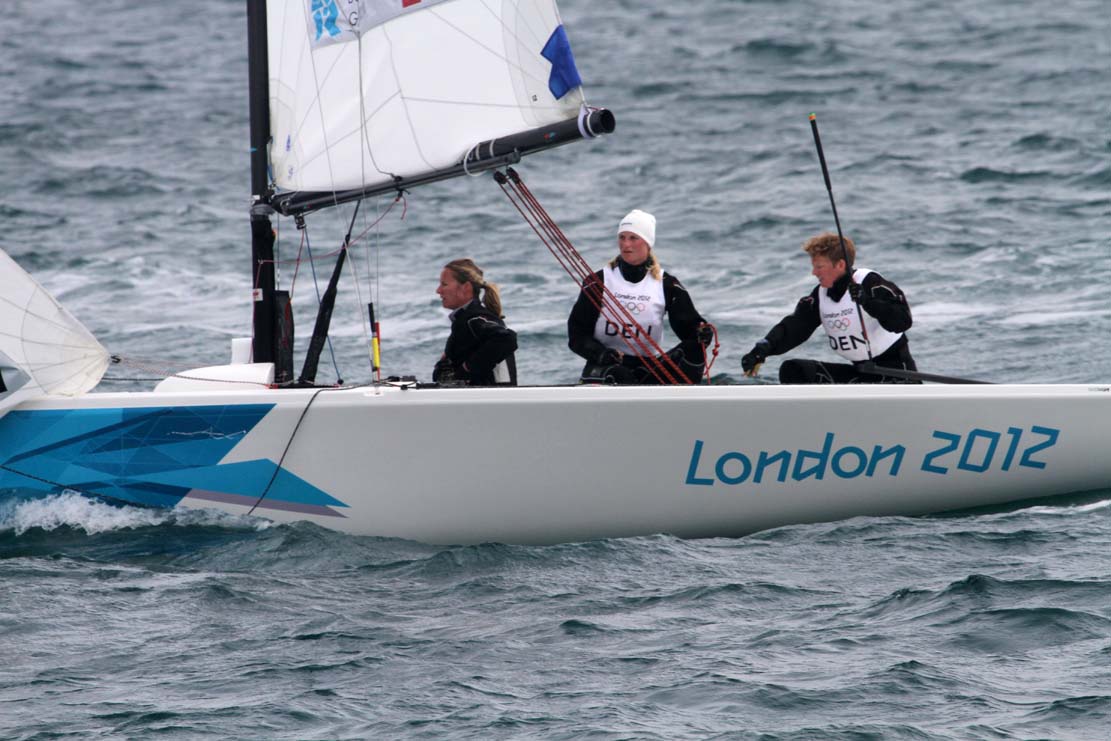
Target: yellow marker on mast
{"x": 375, "y": 352}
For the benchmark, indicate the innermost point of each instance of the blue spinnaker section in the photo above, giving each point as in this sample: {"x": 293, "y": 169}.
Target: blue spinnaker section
{"x": 564, "y": 76}
{"x": 152, "y": 456}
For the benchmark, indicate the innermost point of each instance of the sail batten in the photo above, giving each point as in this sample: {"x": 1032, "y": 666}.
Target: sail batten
{"x": 368, "y": 94}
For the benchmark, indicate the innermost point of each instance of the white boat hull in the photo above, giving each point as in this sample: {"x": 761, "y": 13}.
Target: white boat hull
{"x": 556, "y": 464}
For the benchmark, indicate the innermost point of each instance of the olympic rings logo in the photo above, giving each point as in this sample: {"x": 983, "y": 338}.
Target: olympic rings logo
{"x": 634, "y": 307}
{"x": 841, "y": 323}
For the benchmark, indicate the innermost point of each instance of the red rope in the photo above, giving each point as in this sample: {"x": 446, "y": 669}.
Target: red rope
{"x": 404, "y": 210}
{"x": 573, "y": 263}
{"x": 659, "y": 364}
{"x": 717, "y": 346}
{"x": 296, "y": 262}
{"x": 297, "y": 265}
{"x": 324, "y": 255}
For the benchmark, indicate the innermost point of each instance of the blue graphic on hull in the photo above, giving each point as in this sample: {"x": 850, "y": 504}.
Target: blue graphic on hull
{"x": 151, "y": 456}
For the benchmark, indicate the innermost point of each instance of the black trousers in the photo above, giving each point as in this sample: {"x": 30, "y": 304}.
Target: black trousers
{"x": 815, "y": 371}
{"x": 688, "y": 355}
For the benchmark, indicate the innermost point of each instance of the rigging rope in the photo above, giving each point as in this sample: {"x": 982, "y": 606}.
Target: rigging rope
{"x": 285, "y": 451}
{"x": 151, "y": 366}
{"x": 662, "y": 367}
{"x": 316, "y": 286}
{"x": 370, "y": 333}
{"x": 371, "y": 330}
{"x": 717, "y": 346}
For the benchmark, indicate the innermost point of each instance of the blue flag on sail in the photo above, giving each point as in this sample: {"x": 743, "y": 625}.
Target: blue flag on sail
{"x": 565, "y": 75}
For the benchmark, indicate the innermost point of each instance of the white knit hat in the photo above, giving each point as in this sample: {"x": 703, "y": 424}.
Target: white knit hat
{"x": 640, "y": 223}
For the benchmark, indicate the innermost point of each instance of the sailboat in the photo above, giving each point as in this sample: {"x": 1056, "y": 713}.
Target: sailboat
{"x": 352, "y": 99}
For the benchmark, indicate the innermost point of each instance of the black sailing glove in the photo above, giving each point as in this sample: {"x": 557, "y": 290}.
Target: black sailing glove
{"x": 444, "y": 373}
{"x": 755, "y": 357}
{"x": 856, "y": 293}
{"x": 608, "y": 357}
{"x": 705, "y": 335}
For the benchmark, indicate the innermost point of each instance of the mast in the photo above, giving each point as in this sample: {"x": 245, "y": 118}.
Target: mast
{"x": 262, "y": 233}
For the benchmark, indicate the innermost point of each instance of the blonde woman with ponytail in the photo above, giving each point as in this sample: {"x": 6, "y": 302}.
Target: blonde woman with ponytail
{"x": 480, "y": 349}
{"x": 649, "y": 294}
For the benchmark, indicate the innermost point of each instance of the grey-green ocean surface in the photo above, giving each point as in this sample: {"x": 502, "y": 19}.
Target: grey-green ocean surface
{"x": 970, "y": 156}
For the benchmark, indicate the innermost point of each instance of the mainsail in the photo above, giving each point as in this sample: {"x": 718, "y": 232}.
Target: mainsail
{"x": 43, "y": 349}
{"x": 373, "y": 94}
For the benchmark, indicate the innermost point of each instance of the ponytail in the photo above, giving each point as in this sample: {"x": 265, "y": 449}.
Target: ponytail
{"x": 491, "y": 299}
{"x": 466, "y": 271}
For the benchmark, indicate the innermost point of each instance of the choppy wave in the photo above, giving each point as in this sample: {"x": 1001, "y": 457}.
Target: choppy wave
{"x": 863, "y": 627}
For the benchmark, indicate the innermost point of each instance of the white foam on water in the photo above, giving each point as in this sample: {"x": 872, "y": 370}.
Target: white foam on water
{"x": 70, "y": 509}
{"x": 1069, "y": 510}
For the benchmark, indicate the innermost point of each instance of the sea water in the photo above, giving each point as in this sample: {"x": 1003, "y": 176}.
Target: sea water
{"x": 970, "y": 160}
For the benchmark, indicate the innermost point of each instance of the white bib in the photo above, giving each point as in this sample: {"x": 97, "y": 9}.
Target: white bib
{"x": 842, "y": 325}
{"x": 643, "y": 300}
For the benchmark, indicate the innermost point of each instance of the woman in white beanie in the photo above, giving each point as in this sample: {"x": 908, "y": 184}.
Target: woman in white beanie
{"x": 648, "y": 293}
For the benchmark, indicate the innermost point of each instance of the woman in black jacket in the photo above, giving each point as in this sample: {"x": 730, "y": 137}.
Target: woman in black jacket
{"x": 479, "y": 351}
{"x": 648, "y": 294}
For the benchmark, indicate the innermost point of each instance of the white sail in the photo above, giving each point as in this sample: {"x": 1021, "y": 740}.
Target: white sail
{"x": 362, "y": 91}
{"x": 43, "y": 349}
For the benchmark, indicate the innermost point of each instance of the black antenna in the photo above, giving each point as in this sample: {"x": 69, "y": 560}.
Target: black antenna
{"x": 829, "y": 189}
{"x": 837, "y": 221}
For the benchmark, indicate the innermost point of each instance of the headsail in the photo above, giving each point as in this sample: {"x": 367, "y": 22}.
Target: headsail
{"x": 366, "y": 94}
{"x": 43, "y": 349}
